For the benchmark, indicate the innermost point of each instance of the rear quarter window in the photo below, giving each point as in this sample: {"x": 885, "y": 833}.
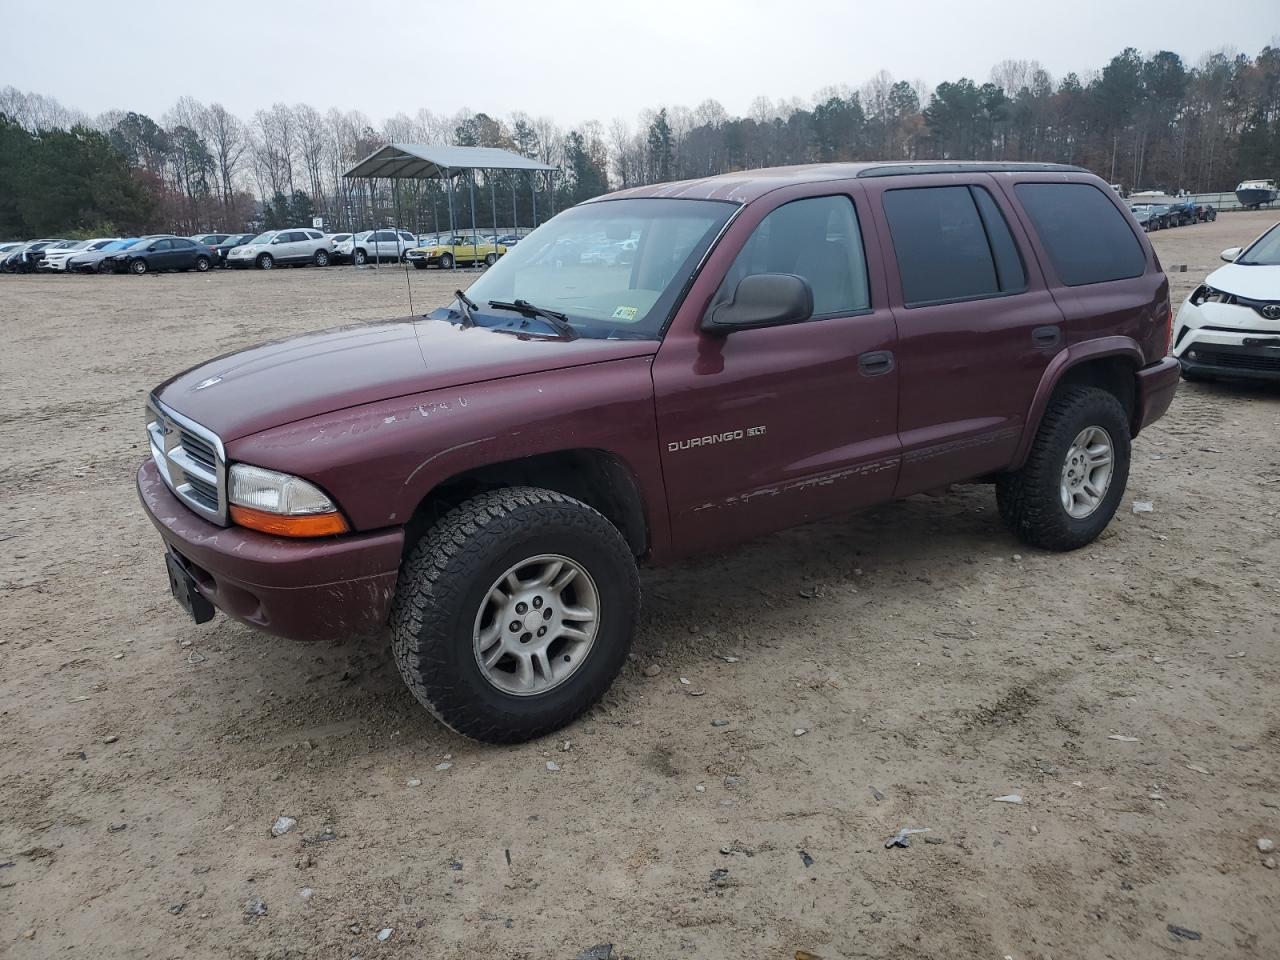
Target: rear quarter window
{"x": 1087, "y": 238}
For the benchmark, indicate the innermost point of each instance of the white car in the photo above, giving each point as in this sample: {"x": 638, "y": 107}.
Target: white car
{"x": 376, "y": 245}
{"x": 295, "y": 245}
{"x": 1230, "y": 325}
{"x": 55, "y": 258}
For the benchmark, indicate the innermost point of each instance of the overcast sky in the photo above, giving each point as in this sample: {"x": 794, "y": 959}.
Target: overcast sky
{"x": 572, "y": 61}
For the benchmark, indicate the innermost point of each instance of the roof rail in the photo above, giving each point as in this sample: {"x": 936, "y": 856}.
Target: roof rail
{"x": 970, "y": 166}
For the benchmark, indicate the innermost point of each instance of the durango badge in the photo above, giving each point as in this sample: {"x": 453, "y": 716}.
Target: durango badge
{"x": 727, "y": 437}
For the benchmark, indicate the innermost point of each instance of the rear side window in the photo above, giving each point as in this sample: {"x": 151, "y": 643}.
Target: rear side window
{"x": 951, "y": 243}
{"x": 1088, "y": 240}
{"x": 816, "y": 238}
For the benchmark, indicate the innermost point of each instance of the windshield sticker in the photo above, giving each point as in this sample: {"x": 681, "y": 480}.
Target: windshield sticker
{"x": 626, "y": 314}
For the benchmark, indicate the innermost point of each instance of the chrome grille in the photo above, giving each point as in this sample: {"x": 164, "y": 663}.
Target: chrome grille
{"x": 191, "y": 460}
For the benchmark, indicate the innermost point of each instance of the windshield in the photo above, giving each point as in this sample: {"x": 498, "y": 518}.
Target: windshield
{"x": 264, "y": 237}
{"x": 117, "y": 245}
{"x": 1265, "y": 251}
{"x": 339, "y": 237}
{"x": 614, "y": 268}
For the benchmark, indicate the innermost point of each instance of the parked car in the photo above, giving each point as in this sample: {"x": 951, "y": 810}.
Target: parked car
{"x": 1206, "y": 212}
{"x": 211, "y": 239}
{"x": 458, "y": 249}
{"x": 94, "y": 261}
{"x": 293, "y": 246}
{"x": 156, "y": 254}
{"x": 1143, "y": 214}
{"x": 1229, "y": 327}
{"x": 24, "y": 257}
{"x": 55, "y": 259}
{"x": 232, "y": 241}
{"x": 484, "y": 480}
{"x": 376, "y": 245}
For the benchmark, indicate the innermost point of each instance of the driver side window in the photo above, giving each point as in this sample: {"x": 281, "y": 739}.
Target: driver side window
{"x": 816, "y": 238}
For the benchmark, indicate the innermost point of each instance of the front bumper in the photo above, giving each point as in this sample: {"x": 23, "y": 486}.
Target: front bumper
{"x": 1235, "y": 362}
{"x": 1228, "y": 341}
{"x": 327, "y": 589}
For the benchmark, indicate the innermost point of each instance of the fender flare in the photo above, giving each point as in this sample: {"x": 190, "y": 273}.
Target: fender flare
{"x": 1062, "y": 363}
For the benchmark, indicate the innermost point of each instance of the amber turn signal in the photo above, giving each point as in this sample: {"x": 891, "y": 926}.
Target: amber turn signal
{"x": 305, "y": 525}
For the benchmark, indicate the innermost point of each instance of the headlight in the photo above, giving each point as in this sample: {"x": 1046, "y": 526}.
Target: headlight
{"x": 1207, "y": 294}
{"x": 281, "y": 504}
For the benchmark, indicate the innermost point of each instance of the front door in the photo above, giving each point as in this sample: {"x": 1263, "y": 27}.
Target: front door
{"x": 764, "y": 428}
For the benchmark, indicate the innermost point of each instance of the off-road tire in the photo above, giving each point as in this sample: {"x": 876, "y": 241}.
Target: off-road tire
{"x": 446, "y": 577}
{"x": 1029, "y": 499}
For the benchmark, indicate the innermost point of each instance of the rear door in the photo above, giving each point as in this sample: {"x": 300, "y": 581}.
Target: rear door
{"x": 1103, "y": 271}
{"x": 977, "y": 326}
{"x": 183, "y": 255}
{"x": 764, "y": 428}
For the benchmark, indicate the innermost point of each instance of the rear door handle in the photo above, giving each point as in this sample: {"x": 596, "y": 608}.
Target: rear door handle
{"x": 1046, "y": 336}
{"x": 875, "y": 363}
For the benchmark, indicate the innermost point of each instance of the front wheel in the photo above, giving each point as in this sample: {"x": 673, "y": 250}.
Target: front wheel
{"x": 446, "y": 262}
{"x": 359, "y": 257}
{"x": 514, "y": 613}
{"x": 1069, "y": 488}
{"x": 265, "y": 261}
{"x": 322, "y": 258}
{"x": 138, "y": 267}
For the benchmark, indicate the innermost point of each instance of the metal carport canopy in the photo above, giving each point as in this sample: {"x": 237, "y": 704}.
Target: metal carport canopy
{"x": 426, "y": 161}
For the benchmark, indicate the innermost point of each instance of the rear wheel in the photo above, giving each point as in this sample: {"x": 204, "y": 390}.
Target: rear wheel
{"x": 1074, "y": 477}
{"x": 138, "y": 266}
{"x": 265, "y": 261}
{"x": 322, "y": 258}
{"x": 202, "y": 264}
{"x": 491, "y": 259}
{"x": 514, "y": 613}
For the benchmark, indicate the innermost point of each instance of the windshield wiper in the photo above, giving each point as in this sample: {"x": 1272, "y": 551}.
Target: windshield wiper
{"x": 468, "y": 305}
{"x": 558, "y": 321}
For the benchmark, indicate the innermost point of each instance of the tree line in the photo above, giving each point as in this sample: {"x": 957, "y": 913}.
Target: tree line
{"x": 1146, "y": 122}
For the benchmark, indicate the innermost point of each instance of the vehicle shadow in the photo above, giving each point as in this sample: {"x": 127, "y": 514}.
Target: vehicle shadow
{"x": 690, "y": 611}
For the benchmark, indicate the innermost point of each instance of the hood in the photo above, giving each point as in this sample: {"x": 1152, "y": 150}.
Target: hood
{"x": 277, "y": 383}
{"x": 1253, "y": 283}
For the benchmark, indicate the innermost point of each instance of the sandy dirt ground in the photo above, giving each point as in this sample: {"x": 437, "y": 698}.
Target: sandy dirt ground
{"x": 935, "y": 663}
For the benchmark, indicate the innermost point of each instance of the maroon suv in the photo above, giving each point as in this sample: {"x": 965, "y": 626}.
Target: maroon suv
{"x": 662, "y": 371}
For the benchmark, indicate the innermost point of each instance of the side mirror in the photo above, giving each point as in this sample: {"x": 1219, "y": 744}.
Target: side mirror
{"x": 762, "y": 300}
{"x": 1230, "y": 254}
{"x": 151, "y": 249}
{"x": 275, "y": 240}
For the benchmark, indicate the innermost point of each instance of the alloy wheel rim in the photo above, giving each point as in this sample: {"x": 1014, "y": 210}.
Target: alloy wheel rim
{"x": 536, "y": 625}
{"x": 1087, "y": 472}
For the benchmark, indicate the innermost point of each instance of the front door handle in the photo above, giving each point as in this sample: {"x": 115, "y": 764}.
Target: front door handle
{"x": 1046, "y": 337}
{"x": 875, "y": 363}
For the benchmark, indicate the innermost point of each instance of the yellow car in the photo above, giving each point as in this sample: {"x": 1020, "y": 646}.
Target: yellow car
{"x": 459, "y": 250}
